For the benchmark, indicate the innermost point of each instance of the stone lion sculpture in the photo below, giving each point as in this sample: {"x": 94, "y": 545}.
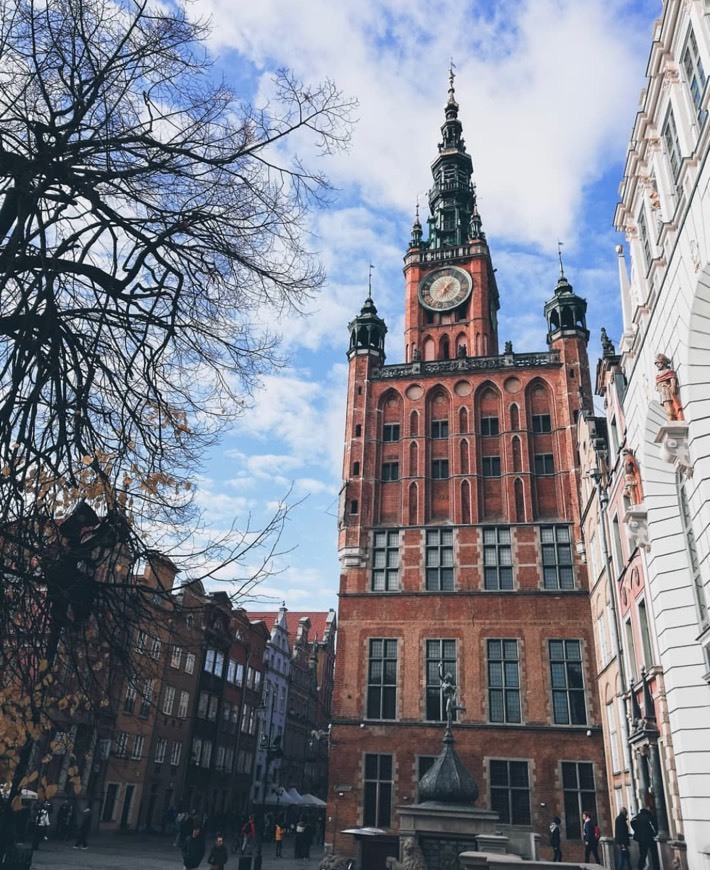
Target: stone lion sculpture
{"x": 412, "y": 857}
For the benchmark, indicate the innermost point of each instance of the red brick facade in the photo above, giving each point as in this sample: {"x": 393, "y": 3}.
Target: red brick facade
{"x": 466, "y": 458}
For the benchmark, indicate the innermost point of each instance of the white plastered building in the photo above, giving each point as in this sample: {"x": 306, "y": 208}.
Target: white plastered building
{"x": 665, "y": 213}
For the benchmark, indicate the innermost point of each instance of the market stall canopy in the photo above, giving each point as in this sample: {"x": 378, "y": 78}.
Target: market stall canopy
{"x": 295, "y": 797}
{"x": 310, "y": 800}
{"x": 279, "y": 797}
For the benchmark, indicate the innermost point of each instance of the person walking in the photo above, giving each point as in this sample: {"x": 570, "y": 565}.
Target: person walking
{"x": 193, "y": 849}
{"x": 622, "y": 840}
{"x": 185, "y": 828}
{"x": 61, "y": 832}
{"x": 645, "y": 835}
{"x": 591, "y": 840}
{"x": 218, "y": 854}
{"x": 299, "y": 845}
{"x": 248, "y": 835}
{"x": 41, "y": 828}
{"x": 84, "y": 828}
{"x": 556, "y": 839}
{"x": 279, "y": 838}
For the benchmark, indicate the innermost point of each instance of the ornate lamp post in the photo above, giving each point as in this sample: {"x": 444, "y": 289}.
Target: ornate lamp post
{"x": 272, "y": 750}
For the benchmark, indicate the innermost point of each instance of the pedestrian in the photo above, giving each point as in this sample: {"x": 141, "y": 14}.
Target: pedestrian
{"x": 590, "y": 836}
{"x": 185, "y": 828}
{"x": 308, "y": 835}
{"x": 61, "y": 832}
{"x": 248, "y": 834}
{"x": 279, "y": 837}
{"x": 645, "y": 833}
{"x": 556, "y": 838}
{"x": 218, "y": 855}
{"x": 193, "y": 849}
{"x": 84, "y": 828}
{"x": 41, "y": 828}
{"x": 622, "y": 840}
{"x": 299, "y": 846}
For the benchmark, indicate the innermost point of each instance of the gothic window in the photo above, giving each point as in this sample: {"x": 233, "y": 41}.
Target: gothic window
{"x": 413, "y": 459}
{"x": 497, "y": 558}
{"x": 464, "y": 456}
{"x": 514, "y": 418}
{"x": 413, "y": 504}
{"x": 579, "y": 795}
{"x": 556, "y": 547}
{"x": 353, "y": 506}
{"x": 377, "y": 798}
{"x": 463, "y": 421}
{"x": 694, "y": 73}
{"x": 517, "y": 454}
{"x": 510, "y": 791}
{"x": 382, "y": 679}
{"x": 385, "y": 561}
{"x": 568, "y": 702}
{"x": 438, "y": 652}
{"x": 414, "y": 423}
{"x": 439, "y": 560}
{"x": 503, "y": 681}
{"x": 465, "y": 503}
{"x": 519, "y": 501}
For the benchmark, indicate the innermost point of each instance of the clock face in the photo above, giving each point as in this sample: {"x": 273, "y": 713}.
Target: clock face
{"x": 446, "y": 288}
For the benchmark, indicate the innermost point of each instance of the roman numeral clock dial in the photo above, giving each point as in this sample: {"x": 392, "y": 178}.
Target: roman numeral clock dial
{"x": 444, "y": 289}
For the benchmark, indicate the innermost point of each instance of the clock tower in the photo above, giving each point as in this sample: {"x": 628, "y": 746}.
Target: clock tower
{"x": 461, "y": 551}
{"x": 451, "y": 294}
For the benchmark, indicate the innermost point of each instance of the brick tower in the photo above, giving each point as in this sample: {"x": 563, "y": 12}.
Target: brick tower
{"x": 460, "y": 546}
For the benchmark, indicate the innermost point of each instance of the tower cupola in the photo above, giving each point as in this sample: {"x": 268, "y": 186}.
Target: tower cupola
{"x": 367, "y": 332}
{"x": 452, "y": 199}
{"x": 566, "y": 313}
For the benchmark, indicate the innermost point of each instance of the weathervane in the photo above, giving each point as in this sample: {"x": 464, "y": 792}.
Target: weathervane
{"x": 452, "y": 74}
{"x": 369, "y": 282}
{"x": 559, "y": 254}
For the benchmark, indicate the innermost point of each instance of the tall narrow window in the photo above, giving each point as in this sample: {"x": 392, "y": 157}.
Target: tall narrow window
{"x": 503, "y": 681}
{"x": 168, "y": 700}
{"x": 382, "y": 679}
{"x": 612, "y": 737}
{"x": 440, "y": 560}
{"x": 694, "y": 73}
{"x": 645, "y": 635}
{"x": 670, "y": 139}
{"x": 568, "y": 702}
{"x": 385, "y": 562}
{"x": 390, "y": 432}
{"x": 438, "y": 653}
{"x": 647, "y": 257}
{"x": 692, "y": 551}
{"x": 510, "y": 791}
{"x": 556, "y": 557}
{"x": 579, "y": 795}
{"x": 377, "y": 799}
{"x": 631, "y": 660}
{"x": 497, "y": 558}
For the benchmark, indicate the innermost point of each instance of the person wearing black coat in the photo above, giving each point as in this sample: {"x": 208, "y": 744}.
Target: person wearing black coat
{"x": 218, "y": 855}
{"x": 556, "y": 839}
{"x": 193, "y": 850}
{"x": 622, "y": 840}
{"x": 645, "y": 835}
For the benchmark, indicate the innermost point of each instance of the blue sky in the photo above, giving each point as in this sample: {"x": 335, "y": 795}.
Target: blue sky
{"x": 547, "y": 89}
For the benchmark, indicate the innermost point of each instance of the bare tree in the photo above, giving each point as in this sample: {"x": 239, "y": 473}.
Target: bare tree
{"x": 146, "y": 215}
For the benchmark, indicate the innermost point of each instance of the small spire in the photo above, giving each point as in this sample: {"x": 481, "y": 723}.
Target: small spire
{"x": 452, "y": 76}
{"x": 369, "y": 283}
{"x": 559, "y": 254}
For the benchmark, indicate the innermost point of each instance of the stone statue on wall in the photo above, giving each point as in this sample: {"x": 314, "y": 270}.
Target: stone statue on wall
{"x": 667, "y": 387}
{"x": 412, "y": 857}
{"x": 449, "y": 691}
{"x": 632, "y": 477}
{"x": 416, "y": 355}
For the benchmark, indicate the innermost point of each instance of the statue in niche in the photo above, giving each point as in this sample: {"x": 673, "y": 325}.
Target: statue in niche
{"x": 508, "y": 348}
{"x": 461, "y": 351}
{"x": 667, "y": 387}
{"x": 416, "y": 355}
{"x": 632, "y": 477}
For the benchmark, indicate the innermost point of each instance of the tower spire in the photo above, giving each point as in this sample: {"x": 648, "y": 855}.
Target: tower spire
{"x": 559, "y": 254}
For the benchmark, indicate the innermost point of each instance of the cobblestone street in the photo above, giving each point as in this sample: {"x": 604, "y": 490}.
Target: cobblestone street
{"x": 134, "y": 852}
